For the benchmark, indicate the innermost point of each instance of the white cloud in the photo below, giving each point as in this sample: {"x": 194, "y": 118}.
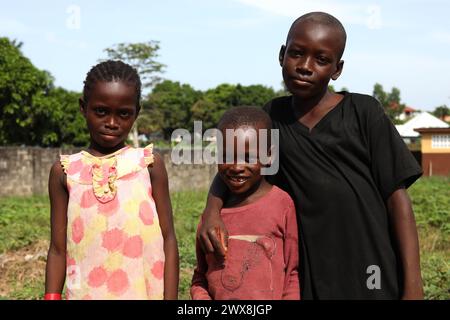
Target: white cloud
{"x": 347, "y": 12}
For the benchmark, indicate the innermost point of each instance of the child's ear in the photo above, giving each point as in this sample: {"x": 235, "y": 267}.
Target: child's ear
{"x": 82, "y": 106}
{"x": 281, "y": 55}
{"x": 338, "y": 71}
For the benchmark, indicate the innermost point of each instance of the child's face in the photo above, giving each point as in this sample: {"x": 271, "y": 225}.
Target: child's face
{"x": 311, "y": 58}
{"x": 110, "y": 113}
{"x": 244, "y": 174}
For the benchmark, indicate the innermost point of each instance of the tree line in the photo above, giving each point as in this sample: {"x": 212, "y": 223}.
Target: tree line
{"x": 34, "y": 112}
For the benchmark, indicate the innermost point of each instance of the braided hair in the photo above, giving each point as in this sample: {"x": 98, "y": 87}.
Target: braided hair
{"x": 109, "y": 71}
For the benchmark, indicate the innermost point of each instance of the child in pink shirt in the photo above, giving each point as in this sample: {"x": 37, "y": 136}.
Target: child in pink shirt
{"x": 262, "y": 252}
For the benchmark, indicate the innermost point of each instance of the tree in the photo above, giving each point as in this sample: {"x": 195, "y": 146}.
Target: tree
{"x": 225, "y": 96}
{"x": 442, "y": 111}
{"x": 32, "y": 110}
{"x": 170, "y": 103}
{"x": 206, "y": 111}
{"x": 142, "y": 56}
{"x": 390, "y": 101}
{"x": 20, "y": 82}
{"x": 254, "y": 95}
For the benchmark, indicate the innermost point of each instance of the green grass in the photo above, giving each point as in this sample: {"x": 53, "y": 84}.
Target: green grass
{"x": 24, "y": 221}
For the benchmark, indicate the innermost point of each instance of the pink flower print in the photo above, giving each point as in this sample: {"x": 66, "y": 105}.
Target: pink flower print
{"x": 113, "y": 239}
{"x": 158, "y": 269}
{"x": 74, "y": 167}
{"x": 86, "y": 173}
{"x": 109, "y": 208}
{"x": 77, "y": 230}
{"x": 70, "y": 261}
{"x": 118, "y": 282}
{"x": 88, "y": 199}
{"x": 97, "y": 277}
{"x": 146, "y": 213}
{"x": 133, "y": 247}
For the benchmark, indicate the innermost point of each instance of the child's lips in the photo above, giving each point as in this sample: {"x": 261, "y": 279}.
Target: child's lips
{"x": 302, "y": 82}
{"x": 109, "y": 136}
{"x": 237, "y": 180}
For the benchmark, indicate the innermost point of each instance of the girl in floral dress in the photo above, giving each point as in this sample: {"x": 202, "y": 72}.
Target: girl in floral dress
{"x": 112, "y": 233}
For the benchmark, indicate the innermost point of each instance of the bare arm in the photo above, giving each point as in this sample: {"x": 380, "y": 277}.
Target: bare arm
{"x": 199, "y": 285}
{"x": 212, "y": 235}
{"x": 404, "y": 226}
{"x": 55, "y": 273}
{"x": 160, "y": 190}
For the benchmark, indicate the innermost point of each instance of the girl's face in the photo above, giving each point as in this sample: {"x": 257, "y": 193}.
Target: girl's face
{"x": 110, "y": 113}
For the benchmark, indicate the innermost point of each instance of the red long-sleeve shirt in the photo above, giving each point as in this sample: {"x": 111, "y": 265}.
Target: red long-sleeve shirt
{"x": 262, "y": 258}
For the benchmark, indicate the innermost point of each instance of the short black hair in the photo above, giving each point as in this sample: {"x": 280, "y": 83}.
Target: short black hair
{"x": 324, "y": 19}
{"x": 245, "y": 116}
{"x": 109, "y": 71}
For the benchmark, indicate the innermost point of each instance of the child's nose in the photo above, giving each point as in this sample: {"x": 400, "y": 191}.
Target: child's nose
{"x": 237, "y": 167}
{"x": 304, "y": 66}
{"x": 112, "y": 123}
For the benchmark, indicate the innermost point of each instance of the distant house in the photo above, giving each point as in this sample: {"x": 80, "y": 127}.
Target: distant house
{"x": 407, "y": 113}
{"x": 435, "y": 148}
{"x": 420, "y": 120}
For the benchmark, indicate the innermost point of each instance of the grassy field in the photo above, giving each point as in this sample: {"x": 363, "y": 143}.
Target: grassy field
{"x": 24, "y": 234}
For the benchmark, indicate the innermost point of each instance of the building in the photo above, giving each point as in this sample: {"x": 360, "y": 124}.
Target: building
{"x": 435, "y": 147}
{"x": 407, "y": 113}
{"x": 420, "y": 120}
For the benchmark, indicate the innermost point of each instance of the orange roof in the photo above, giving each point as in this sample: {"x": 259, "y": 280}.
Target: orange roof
{"x": 394, "y": 106}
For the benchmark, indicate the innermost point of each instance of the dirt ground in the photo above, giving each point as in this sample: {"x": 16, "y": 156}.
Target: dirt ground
{"x": 22, "y": 267}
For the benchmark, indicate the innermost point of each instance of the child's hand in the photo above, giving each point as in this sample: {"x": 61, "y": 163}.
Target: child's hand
{"x": 223, "y": 241}
{"x": 212, "y": 235}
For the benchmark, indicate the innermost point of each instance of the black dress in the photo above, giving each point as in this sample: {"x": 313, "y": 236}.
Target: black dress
{"x": 340, "y": 175}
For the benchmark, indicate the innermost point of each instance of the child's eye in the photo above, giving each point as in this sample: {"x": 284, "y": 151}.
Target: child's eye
{"x": 295, "y": 53}
{"x": 100, "y": 111}
{"x": 124, "y": 114}
{"x": 322, "y": 60}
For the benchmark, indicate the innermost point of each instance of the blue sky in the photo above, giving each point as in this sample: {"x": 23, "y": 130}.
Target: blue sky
{"x": 402, "y": 43}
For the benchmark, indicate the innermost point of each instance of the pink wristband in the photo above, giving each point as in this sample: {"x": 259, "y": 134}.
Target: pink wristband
{"x": 52, "y": 296}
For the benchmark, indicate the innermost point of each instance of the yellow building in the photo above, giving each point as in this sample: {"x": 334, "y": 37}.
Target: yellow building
{"x": 435, "y": 151}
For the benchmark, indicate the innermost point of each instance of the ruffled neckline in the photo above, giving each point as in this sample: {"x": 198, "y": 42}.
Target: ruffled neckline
{"x": 104, "y": 171}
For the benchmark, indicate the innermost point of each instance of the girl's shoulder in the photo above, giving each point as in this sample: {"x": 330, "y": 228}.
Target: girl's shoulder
{"x": 135, "y": 159}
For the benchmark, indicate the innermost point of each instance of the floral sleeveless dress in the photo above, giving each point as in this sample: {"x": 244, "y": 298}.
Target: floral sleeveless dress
{"x": 114, "y": 241}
